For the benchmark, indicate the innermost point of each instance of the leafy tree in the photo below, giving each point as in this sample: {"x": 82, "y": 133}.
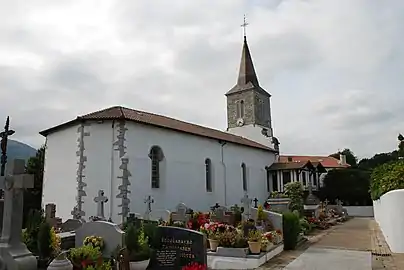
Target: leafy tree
{"x": 400, "y": 145}
{"x": 387, "y": 177}
{"x": 33, "y": 197}
{"x": 376, "y": 160}
{"x": 294, "y": 191}
{"x": 350, "y": 185}
{"x": 351, "y": 159}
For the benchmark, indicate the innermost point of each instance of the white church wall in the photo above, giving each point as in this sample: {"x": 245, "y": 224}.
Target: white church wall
{"x": 182, "y": 170}
{"x": 60, "y": 171}
{"x": 253, "y": 133}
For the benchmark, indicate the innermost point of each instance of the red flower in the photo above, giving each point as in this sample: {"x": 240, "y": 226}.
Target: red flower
{"x": 195, "y": 266}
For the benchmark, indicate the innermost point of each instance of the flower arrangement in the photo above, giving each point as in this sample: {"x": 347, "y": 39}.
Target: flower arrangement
{"x": 94, "y": 241}
{"x": 197, "y": 220}
{"x": 85, "y": 256}
{"x": 195, "y": 266}
{"x": 55, "y": 242}
{"x": 254, "y": 236}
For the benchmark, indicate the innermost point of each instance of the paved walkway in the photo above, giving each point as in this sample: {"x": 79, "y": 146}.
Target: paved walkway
{"x": 347, "y": 246}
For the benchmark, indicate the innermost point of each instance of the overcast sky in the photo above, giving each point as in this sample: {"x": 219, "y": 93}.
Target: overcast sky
{"x": 335, "y": 68}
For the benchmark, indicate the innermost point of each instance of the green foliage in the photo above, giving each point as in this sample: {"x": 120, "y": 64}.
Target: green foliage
{"x": 30, "y": 234}
{"x": 83, "y": 253}
{"x": 387, "y": 177}
{"x": 33, "y": 196}
{"x": 137, "y": 244}
{"x": 400, "y": 145}
{"x": 351, "y": 159}
{"x": 294, "y": 191}
{"x": 349, "y": 185}
{"x": 45, "y": 240}
{"x": 291, "y": 230}
{"x": 277, "y": 195}
{"x": 377, "y": 160}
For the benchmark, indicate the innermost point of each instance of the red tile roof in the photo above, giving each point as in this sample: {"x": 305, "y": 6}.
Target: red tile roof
{"x": 327, "y": 162}
{"x": 122, "y": 113}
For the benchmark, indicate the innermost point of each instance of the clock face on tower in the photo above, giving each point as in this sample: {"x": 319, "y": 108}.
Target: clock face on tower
{"x": 240, "y": 122}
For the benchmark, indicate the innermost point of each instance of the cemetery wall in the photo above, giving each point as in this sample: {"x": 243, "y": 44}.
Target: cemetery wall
{"x": 60, "y": 171}
{"x": 389, "y": 214}
{"x": 358, "y": 211}
{"x": 182, "y": 170}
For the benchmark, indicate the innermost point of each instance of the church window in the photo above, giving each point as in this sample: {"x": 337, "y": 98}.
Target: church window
{"x": 244, "y": 176}
{"x": 156, "y": 156}
{"x": 237, "y": 109}
{"x": 242, "y": 108}
{"x": 208, "y": 175}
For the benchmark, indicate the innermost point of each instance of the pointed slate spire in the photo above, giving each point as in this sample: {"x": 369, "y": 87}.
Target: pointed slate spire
{"x": 247, "y": 72}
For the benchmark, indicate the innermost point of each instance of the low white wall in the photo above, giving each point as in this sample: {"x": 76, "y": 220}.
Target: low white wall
{"x": 359, "y": 211}
{"x": 389, "y": 213}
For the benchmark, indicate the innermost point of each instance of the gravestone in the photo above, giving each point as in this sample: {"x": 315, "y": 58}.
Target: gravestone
{"x": 180, "y": 214}
{"x": 112, "y": 235}
{"x": 148, "y": 201}
{"x": 50, "y": 215}
{"x": 13, "y": 251}
{"x": 174, "y": 248}
{"x": 247, "y": 206}
{"x": 160, "y": 215}
{"x": 71, "y": 225}
{"x": 100, "y": 200}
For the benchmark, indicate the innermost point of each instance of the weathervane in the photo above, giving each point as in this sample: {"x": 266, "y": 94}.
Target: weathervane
{"x": 244, "y": 25}
{"x": 4, "y": 139}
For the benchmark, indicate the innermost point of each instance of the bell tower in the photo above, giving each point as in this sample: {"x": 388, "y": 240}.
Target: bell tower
{"x": 249, "y": 105}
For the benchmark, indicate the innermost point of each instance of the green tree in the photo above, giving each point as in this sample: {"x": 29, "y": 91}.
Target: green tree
{"x": 377, "y": 160}
{"x": 400, "y": 145}
{"x": 33, "y": 196}
{"x": 351, "y": 159}
{"x": 350, "y": 185}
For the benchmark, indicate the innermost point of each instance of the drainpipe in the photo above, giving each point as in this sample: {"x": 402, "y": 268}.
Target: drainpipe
{"x": 224, "y": 172}
{"x": 43, "y": 173}
{"x": 111, "y": 195}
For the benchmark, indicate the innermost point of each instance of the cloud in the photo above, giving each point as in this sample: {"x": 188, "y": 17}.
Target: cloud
{"x": 334, "y": 68}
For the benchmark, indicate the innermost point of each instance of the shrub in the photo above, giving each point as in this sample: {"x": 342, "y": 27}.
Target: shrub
{"x": 387, "y": 177}
{"x": 45, "y": 241}
{"x": 137, "y": 244}
{"x": 291, "y": 230}
{"x": 294, "y": 191}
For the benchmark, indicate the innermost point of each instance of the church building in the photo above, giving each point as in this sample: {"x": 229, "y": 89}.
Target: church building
{"x": 130, "y": 155}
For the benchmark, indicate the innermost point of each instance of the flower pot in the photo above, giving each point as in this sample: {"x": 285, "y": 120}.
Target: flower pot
{"x": 255, "y": 247}
{"x": 213, "y": 244}
{"x": 141, "y": 265}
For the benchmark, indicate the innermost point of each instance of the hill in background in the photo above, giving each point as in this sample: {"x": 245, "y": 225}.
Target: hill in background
{"x": 16, "y": 149}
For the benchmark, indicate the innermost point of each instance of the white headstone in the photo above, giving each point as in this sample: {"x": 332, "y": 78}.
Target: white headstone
{"x": 247, "y": 206}
{"x": 100, "y": 200}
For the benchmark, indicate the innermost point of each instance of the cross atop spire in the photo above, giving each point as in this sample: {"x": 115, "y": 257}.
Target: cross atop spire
{"x": 244, "y": 25}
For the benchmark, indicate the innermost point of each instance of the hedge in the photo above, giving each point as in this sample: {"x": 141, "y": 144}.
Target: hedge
{"x": 387, "y": 177}
{"x": 291, "y": 230}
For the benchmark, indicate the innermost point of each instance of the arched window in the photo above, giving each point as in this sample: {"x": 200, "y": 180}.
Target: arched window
{"x": 242, "y": 108}
{"x": 237, "y": 109}
{"x": 244, "y": 176}
{"x": 156, "y": 156}
{"x": 208, "y": 175}
{"x": 268, "y": 179}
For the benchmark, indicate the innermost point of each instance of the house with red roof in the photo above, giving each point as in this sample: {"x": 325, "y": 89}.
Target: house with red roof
{"x": 290, "y": 168}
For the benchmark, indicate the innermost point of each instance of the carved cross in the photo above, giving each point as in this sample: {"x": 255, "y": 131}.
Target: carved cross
{"x": 100, "y": 200}
{"x": 149, "y": 201}
{"x": 13, "y": 184}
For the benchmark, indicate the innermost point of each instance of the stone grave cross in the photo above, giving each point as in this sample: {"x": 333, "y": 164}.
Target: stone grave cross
{"x": 149, "y": 201}
{"x": 100, "y": 200}
{"x": 255, "y": 203}
{"x": 13, "y": 251}
{"x": 247, "y": 206}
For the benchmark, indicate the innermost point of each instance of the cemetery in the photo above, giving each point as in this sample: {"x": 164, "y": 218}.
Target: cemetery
{"x": 236, "y": 237}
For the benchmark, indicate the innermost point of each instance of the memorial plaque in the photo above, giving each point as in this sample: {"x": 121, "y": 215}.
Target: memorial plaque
{"x": 174, "y": 248}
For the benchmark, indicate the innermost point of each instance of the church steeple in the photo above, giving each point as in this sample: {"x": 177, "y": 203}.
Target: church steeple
{"x": 247, "y": 71}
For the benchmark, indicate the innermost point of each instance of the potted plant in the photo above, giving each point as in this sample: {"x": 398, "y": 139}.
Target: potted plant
{"x": 261, "y": 217}
{"x": 254, "y": 241}
{"x": 213, "y": 241}
{"x": 138, "y": 248}
{"x": 85, "y": 256}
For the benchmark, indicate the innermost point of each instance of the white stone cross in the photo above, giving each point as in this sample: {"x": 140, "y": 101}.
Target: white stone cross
{"x": 13, "y": 184}
{"x": 149, "y": 201}
{"x": 247, "y": 205}
{"x": 100, "y": 200}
